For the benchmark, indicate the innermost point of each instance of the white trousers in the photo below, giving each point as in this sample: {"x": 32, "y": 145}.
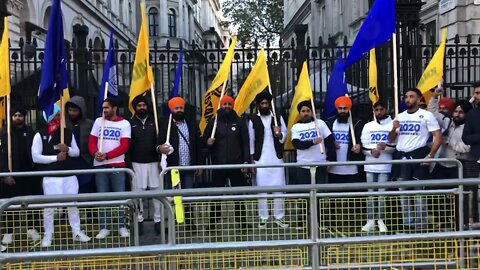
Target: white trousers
{"x": 148, "y": 175}
{"x": 60, "y": 186}
{"x": 271, "y": 177}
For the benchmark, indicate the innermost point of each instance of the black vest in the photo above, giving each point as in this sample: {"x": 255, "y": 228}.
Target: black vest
{"x": 259, "y": 129}
{"x": 48, "y": 150}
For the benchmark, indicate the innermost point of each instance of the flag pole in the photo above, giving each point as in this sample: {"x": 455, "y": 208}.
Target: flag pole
{"x": 105, "y": 93}
{"x": 350, "y": 123}
{"x": 163, "y": 161}
{"x": 316, "y": 126}
{"x": 273, "y": 106}
{"x": 9, "y": 135}
{"x": 62, "y": 120}
{"x": 395, "y": 74}
{"x": 154, "y": 101}
{"x": 218, "y": 107}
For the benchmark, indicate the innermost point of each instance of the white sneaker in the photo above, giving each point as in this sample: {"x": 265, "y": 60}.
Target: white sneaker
{"x": 281, "y": 222}
{"x": 381, "y": 226}
{"x": 7, "y": 239}
{"x": 81, "y": 236}
{"x": 123, "y": 232}
{"x": 369, "y": 226}
{"x": 47, "y": 240}
{"x": 102, "y": 234}
{"x": 33, "y": 234}
{"x": 2, "y": 248}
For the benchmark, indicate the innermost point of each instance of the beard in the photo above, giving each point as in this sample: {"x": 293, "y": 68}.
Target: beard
{"x": 458, "y": 121}
{"x": 142, "y": 113}
{"x": 342, "y": 117}
{"x": 264, "y": 111}
{"x": 381, "y": 117}
{"x": 306, "y": 119}
{"x": 179, "y": 116}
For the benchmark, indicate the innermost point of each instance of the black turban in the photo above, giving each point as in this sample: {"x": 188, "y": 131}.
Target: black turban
{"x": 19, "y": 109}
{"x": 262, "y": 96}
{"x": 307, "y": 103}
{"x": 465, "y": 105}
{"x": 138, "y": 99}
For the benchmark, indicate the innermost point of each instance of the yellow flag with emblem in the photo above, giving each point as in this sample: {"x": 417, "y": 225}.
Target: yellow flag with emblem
{"x": 302, "y": 92}
{"x": 372, "y": 78}
{"x": 142, "y": 75}
{"x": 255, "y": 83}
{"x": 5, "y": 62}
{"x": 212, "y": 96}
{"x": 433, "y": 74}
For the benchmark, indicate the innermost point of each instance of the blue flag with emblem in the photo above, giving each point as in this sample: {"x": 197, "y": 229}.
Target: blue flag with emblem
{"x": 377, "y": 29}
{"x": 109, "y": 74}
{"x": 54, "y": 69}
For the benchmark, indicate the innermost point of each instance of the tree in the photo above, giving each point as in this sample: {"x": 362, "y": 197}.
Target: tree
{"x": 255, "y": 19}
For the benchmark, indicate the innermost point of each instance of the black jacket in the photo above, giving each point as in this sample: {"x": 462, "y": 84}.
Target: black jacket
{"x": 143, "y": 140}
{"x": 85, "y": 125}
{"x": 21, "y": 149}
{"x": 358, "y": 127}
{"x": 231, "y": 139}
{"x": 194, "y": 143}
{"x": 471, "y": 132}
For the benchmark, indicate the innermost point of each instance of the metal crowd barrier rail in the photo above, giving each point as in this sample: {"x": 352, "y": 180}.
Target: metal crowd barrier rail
{"x": 314, "y": 194}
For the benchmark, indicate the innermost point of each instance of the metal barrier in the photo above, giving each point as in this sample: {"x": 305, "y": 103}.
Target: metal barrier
{"x": 303, "y": 242}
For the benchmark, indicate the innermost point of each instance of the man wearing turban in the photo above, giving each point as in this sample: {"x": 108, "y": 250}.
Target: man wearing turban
{"x": 144, "y": 157}
{"x": 21, "y": 145}
{"x": 229, "y": 146}
{"x": 183, "y": 148}
{"x": 50, "y": 155}
{"x": 346, "y": 150}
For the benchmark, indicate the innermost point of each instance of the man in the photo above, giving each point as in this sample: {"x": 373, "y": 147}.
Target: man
{"x": 346, "y": 150}
{"x": 412, "y": 131}
{"x": 442, "y": 109}
{"x": 50, "y": 154}
{"x": 266, "y": 147}
{"x": 143, "y": 155}
{"x": 81, "y": 126}
{"x": 229, "y": 146}
{"x": 183, "y": 149}
{"x": 471, "y": 132}
{"x": 376, "y": 148}
{"x": 21, "y": 145}
{"x": 307, "y": 142}
{"x": 116, "y": 140}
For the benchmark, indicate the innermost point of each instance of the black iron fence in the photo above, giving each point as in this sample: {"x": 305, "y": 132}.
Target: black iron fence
{"x": 201, "y": 61}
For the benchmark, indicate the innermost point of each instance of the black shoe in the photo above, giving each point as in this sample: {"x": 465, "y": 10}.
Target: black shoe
{"x": 157, "y": 228}
{"x": 140, "y": 228}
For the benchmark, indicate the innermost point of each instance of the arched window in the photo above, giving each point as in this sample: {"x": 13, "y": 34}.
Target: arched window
{"x": 153, "y": 22}
{"x": 172, "y": 23}
{"x": 46, "y": 18}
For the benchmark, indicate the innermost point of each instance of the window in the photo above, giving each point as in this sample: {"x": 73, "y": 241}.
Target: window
{"x": 172, "y": 24}
{"x": 431, "y": 32}
{"x": 153, "y": 22}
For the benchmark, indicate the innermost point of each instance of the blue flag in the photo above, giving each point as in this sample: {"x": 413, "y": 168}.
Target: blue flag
{"x": 54, "y": 69}
{"x": 176, "y": 81}
{"x": 336, "y": 87}
{"x": 109, "y": 74}
{"x": 377, "y": 28}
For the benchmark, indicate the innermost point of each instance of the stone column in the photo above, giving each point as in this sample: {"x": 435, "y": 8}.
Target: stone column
{"x": 180, "y": 20}
{"x": 163, "y": 12}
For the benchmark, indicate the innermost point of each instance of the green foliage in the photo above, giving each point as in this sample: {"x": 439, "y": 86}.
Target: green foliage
{"x": 255, "y": 19}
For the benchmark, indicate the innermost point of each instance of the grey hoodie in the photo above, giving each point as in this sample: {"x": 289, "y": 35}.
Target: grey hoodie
{"x": 85, "y": 127}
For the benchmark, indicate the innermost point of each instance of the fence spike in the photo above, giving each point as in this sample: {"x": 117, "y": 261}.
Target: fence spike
{"x": 457, "y": 39}
{"x": 180, "y": 45}
{"x": 155, "y": 45}
{"x": 34, "y": 42}
{"x": 469, "y": 39}
{"x": 292, "y": 43}
{"x": 115, "y": 43}
{"x": 280, "y": 43}
{"x": 90, "y": 43}
{"x": 102, "y": 44}
{"x": 308, "y": 43}
{"x": 168, "y": 45}
{"x": 268, "y": 43}
{"x": 345, "y": 41}
{"x": 21, "y": 42}
{"x": 320, "y": 41}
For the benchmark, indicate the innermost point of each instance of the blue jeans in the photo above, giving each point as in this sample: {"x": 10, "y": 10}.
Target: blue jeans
{"x": 374, "y": 211}
{"x": 110, "y": 182}
{"x": 414, "y": 212}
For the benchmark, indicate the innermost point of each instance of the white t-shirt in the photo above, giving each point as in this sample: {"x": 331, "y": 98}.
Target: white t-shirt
{"x": 113, "y": 131}
{"x": 341, "y": 132}
{"x": 374, "y": 133}
{"x": 308, "y": 132}
{"x": 415, "y": 129}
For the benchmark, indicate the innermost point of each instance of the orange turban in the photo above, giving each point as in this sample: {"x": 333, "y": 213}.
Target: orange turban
{"x": 343, "y": 100}
{"x": 174, "y": 102}
{"x": 447, "y": 102}
{"x": 227, "y": 99}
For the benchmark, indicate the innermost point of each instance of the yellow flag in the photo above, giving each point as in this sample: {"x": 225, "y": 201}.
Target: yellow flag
{"x": 222, "y": 74}
{"x": 302, "y": 92}
{"x": 212, "y": 96}
{"x": 372, "y": 78}
{"x": 255, "y": 83}
{"x": 4, "y": 62}
{"x": 209, "y": 106}
{"x": 2, "y": 112}
{"x": 434, "y": 72}
{"x": 142, "y": 75}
